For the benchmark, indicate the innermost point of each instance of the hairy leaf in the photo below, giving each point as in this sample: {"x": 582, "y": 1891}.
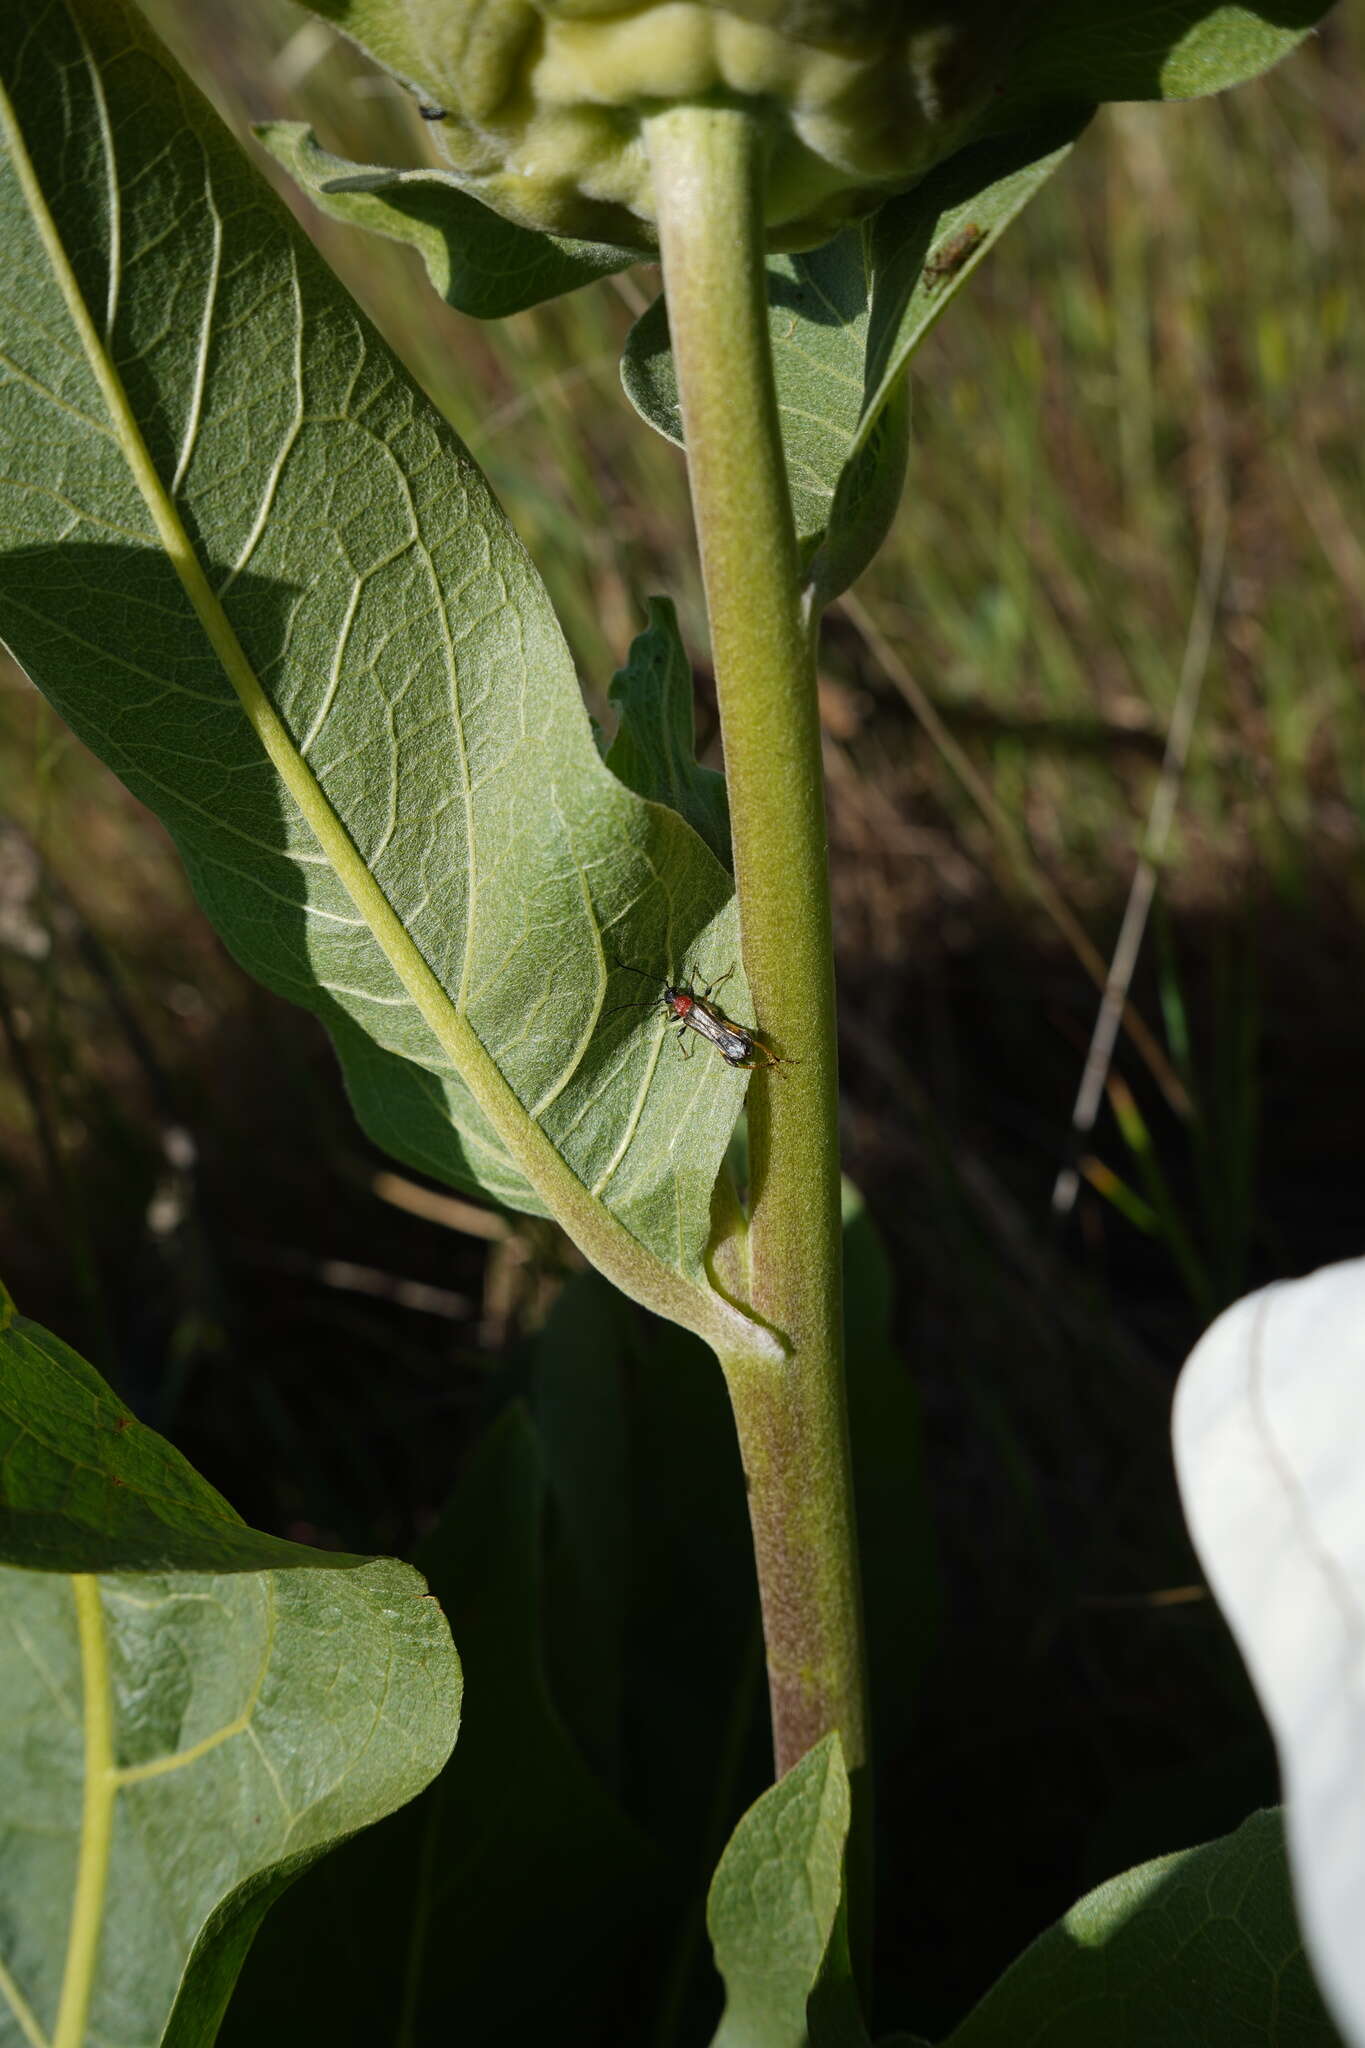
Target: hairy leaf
{"x": 261, "y": 577}
{"x": 176, "y": 1745}
{"x": 774, "y": 1902}
{"x": 1270, "y": 1454}
{"x": 1200, "y": 1947}
{"x": 477, "y": 261}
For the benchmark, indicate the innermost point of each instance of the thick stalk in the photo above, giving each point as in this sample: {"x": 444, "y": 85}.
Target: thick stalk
{"x": 707, "y": 164}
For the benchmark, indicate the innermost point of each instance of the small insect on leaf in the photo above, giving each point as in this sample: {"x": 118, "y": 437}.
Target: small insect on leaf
{"x": 736, "y": 1044}
{"x": 952, "y": 254}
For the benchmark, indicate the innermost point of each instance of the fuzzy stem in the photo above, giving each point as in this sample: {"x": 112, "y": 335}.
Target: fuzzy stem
{"x": 708, "y": 165}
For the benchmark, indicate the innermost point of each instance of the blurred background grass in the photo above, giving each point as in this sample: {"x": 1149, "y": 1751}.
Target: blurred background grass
{"x": 1160, "y": 375}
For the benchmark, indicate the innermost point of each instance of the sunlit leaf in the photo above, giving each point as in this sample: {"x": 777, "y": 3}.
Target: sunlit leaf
{"x": 1199, "y": 1947}
{"x": 817, "y": 321}
{"x": 261, "y": 577}
{"x": 177, "y": 1744}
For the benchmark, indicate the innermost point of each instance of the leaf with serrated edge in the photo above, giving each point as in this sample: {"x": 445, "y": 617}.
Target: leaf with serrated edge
{"x": 176, "y": 1745}
{"x": 1200, "y": 1946}
{"x": 478, "y": 262}
{"x": 774, "y": 1901}
{"x": 1270, "y": 1453}
{"x": 261, "y": 577}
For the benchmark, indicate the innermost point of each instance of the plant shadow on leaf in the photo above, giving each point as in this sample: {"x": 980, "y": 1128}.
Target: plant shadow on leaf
{"x": 186, "y": 750}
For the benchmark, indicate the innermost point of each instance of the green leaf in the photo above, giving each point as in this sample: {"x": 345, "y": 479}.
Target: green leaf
{"x": 1200, "y": 1947}
{"x": 654, "y": 751}
{"x": 478, "y": 262}
{"x": 260, "y": 576}
{"x": 926, "y": 245}
{"x": 85, "y": 1487}
{"x": 817, "y": 320}
{"x": 844, "y": 321}
{"x": 866, "y": 500}
{"x": 1089, "y": 51}
{"x": 177, "y": 1745}
{"x": 774, "y": 1902}
{"x": 496, "y": 1896}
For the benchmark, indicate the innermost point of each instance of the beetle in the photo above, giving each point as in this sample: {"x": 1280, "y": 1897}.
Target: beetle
{"x": 737, "y": 1046}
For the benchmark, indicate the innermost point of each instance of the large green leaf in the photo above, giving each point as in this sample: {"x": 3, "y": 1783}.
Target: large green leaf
{"x": 478, "y": 262}
{"x": 261, "y": 577}
{"x": 505, "y": 1896}
{"x": 176, "y": 1745}
{"x": 1089, "y": 51}
{"x": 1199, "y": 1947}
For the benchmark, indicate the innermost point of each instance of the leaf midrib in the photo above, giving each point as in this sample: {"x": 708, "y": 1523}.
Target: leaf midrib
{"x": 97, "y": 1819}
{"x": 633, "y": 1267}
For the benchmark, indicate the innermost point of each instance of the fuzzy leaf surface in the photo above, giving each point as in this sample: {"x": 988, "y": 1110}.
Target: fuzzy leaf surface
{"x": 266, "y": 583}
{"x": 176, "y": 1745}
{"x": 774, "y": 1902}
{"x": 1199, "y": 1947}
{"x": 1270, "y": 1454}
{"x": 654, "y": 749}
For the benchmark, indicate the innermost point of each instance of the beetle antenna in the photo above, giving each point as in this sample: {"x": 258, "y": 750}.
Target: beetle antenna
{"x": 647, "y": 1004}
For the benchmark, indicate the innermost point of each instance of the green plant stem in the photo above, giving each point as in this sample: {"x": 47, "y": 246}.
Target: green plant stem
{"x": 707, "y": 162}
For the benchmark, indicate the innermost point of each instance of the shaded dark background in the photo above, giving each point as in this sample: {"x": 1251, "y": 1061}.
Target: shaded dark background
{"x": 1167, "y": 347}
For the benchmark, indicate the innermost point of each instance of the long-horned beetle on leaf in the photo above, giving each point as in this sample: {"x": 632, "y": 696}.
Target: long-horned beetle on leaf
{"x": 737, "y": 1046}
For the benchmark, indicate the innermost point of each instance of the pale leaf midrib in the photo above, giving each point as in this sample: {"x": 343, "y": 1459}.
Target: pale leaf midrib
{"x": 633, "y": 1267}
{"x": 97, "y": 1819}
